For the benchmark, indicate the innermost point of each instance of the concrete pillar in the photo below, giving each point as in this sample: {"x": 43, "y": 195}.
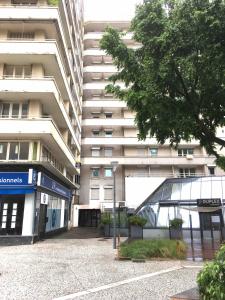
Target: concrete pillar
{"x": 39, "y": 35}
{"x": 75, "y": 215}
{"x": 62, "y": 214}
{"x": 1, "y": 70}
{"x": 28, "y": 216}
{"x": 37, "y": 70}
{"x": 3, "y": 34}
{"x": 35, "y": 109}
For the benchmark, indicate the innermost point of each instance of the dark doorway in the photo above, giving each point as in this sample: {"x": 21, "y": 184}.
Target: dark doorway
{"x": 89, "y": 217}
{"x": 211, "y": 225}
{"x": 11, "y": 214}
{"x": 42, "y": 220}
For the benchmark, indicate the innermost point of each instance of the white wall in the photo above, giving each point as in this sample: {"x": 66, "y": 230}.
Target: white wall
{"x": 28, "y": 216}
{"x": 137, "y": 189}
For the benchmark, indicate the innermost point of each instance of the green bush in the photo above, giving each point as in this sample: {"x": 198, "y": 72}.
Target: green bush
{"x": 105, "y": 218}
{"x": 161, "y": 248}
{"x": 176, "y": 223}
{"x": 136, "y": 220}
{"x": 53, "y": 2}
{"x": 211, "y": 280}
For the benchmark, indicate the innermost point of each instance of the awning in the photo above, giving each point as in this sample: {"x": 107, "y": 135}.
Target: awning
{"x": 202, "y": 209}
{"x": 17, "y": 191}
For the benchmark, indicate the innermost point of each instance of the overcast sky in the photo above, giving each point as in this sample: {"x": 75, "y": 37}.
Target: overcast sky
{"x": 101, "y": 10}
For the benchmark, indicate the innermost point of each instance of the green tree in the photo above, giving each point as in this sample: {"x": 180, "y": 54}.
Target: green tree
{"x": 175, "y": 80}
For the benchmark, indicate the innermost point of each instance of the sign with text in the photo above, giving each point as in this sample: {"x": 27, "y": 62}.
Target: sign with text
{"x": 8, "y": 179}
{"x": 52, "y": 185}
{"x": 214, "y": 202}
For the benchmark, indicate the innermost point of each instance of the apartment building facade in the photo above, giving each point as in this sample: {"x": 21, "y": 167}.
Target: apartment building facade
{"x": 109, "y": 134}
{"x": 40, "y": 115}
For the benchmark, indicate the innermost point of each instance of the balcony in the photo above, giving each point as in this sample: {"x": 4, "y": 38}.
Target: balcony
{"x": 159, "y": 160}
{"x": 108, "y": 122}
{"x": 130, "y": 141}
{"x": 44, "y": 89}
{"x": 38, "y": 128}
{"x": 110, "y": 103}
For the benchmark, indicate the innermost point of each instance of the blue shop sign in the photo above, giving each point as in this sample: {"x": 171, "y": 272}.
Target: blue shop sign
{"x": 17, "y": 182}
{"x": 52, "y": 185}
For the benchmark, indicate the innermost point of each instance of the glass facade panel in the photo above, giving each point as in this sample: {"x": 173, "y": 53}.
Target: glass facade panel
{"x": 24, "y": 150}
{"x": 3, "y": 151}
{"x": 177, "y": 198}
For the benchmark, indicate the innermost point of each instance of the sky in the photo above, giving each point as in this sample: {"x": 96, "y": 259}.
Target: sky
{"x": 101, "y": 10}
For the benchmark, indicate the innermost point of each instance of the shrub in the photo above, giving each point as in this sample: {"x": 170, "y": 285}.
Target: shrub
{"x": 211, "y": 279}
{"x": 105, "y": 218}
{"x": 53, "y": 2}
{"x": 161, "y": 248}
{"x": 176, "y": 223}
{"x": 136, "y": 220}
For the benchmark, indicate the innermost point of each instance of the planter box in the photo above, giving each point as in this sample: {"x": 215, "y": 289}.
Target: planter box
{"x": 136, "y": 232}
{"x": 176, "y": 234}
{"x": 223, "y": 233}
{"x": 107, "y": 230}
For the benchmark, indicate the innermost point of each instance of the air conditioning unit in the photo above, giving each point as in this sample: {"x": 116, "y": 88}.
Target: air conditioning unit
{"x": 189, "y": 156}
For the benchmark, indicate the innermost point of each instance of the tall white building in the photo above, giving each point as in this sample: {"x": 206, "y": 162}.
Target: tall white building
{"x": 40, "y": 114}
{"x": 109, "y": 135}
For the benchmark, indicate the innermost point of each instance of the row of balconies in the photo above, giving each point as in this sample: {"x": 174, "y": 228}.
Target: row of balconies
{"x": 49, "y": 13}
{"x": 43, "y": 129}
{"x": 49, "y": 98}
{"x": 156, "y": 161}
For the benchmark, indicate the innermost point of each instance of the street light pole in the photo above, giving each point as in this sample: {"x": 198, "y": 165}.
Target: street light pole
{"x": 114, "y": 165}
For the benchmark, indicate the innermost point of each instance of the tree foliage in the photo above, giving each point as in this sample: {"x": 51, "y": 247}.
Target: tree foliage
{"x": 175, "y": 80}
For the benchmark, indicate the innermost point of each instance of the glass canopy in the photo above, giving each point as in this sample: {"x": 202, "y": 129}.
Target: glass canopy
{"x": 177, "y": 198}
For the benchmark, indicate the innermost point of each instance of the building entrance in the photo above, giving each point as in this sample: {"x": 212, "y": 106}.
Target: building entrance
{"x": 11, "y": 214}
{"x": 42, "y": 221}
{"x": 211, "y": 226}
{"x": 89, "y": 217}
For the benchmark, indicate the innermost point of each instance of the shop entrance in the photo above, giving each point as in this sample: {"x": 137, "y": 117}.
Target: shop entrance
{"x": 89, "y": 217}
{"x": 42, "y": 221}
{"x": 11, "y": 214}
{"x": 211, "y": 226}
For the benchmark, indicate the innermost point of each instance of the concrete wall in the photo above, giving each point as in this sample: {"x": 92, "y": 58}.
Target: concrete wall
{"x": 137, "y": 189}
{"x": 28, "y": 217}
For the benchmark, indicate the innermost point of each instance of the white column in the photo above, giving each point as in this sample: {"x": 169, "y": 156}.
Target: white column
{"x": 62, "y": 214}
{"x": 28, "y": 215}
{"x": 75, "y": 215}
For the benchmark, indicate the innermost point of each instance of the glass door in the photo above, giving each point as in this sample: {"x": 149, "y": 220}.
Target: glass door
{"x": 11, "y": 215}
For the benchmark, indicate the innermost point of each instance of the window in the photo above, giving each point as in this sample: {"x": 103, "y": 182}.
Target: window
{"x": 108, "y": 193}
{"x": 18, "y": 151}
{"x": 95, "y": 151}
{"x": 94, "y": 193}
{"x": 108, "y": 172}
{"x": 21, "y": 35}
{"x": 108, "y": 133}
{"x": 13, "y": 110}
{"x": 24, "y": 2}
{"x": 18, "y": 71}
{"x": 153, "y": 152}
{"x": 95, "y": 115}
{"x": 186, "y": 172}
{"x": 108, "y": 115}
{"x": 211, "y": 170}
{"x": 3, "y": 151}
{"x": 140, "y": 151}
{"x": 96, "y": 132}
{"x": 95, "y": 172}
{"x": 185, "y": 151}
{"x": 108, "y": 152}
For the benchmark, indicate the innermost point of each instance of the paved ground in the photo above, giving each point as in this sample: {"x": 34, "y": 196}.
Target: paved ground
{"x": 85, "y": 269}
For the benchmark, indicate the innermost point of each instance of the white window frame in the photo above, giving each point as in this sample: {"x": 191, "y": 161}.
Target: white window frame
{"x": 94, "y": 188}
{"x": 11, "y": 110}
{"x": 105, "y": 170}
{"x": 185, "y": 151}
{"x": 95, "y": 151}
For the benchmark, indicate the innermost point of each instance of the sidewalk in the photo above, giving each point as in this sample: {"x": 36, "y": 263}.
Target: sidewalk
{"x": 66, "y": 265}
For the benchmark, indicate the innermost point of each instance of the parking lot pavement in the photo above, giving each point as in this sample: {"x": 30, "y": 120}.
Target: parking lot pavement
{"x": 62, "y": 266}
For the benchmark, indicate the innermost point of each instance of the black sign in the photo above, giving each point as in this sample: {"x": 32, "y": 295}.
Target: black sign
{"x": 209, "y": 202}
